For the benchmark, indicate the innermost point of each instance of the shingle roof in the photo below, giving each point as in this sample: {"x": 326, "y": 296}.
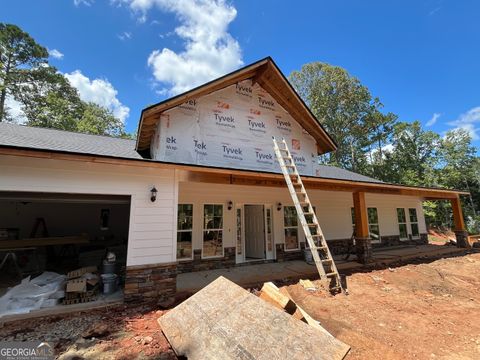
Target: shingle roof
{"x": 59, "y": 140}
{"x": 65, "y": 141}
{"x": 332, "y": 172}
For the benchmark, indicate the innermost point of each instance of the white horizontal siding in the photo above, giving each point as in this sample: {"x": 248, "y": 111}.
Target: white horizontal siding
{"x": 333, "y": 208}
{"x": 152, "y": 230}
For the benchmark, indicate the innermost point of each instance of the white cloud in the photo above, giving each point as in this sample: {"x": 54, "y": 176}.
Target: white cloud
{"x": 56, "y": 54}
{"x": 469, "y": 121}
{"x": 433, "y": 120}
{"x": 99, "y": 91}
{"x": 209, "y": 49}
{"x": 125, "y": 35}
{"x": 83, "y": 2}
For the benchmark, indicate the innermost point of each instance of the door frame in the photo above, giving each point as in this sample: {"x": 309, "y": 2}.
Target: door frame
{"x": 269, "y": 254}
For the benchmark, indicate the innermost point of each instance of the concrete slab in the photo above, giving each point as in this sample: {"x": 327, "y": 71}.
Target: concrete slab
{"x": 253, "y": 275}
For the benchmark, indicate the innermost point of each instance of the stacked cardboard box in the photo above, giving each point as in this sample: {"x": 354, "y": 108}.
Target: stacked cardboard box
{"x": 82, "y": 285}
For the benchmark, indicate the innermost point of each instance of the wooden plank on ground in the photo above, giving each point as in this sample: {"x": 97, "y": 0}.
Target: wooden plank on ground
{"x": 271, "y": 294}
{"x": 224, "y": 321}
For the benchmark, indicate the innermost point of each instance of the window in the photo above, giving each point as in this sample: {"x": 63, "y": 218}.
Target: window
{"x": 239, "y": 231}
{"x": 373, "y": 228}
{"x": 290, "y": 224}
{"x": 402, "y": 223}
{"x": 413, "y": 222}
{"x": 184, "y": 231}
{"x": 212, "y": 230}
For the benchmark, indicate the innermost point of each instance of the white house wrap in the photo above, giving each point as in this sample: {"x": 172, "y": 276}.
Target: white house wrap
{"x": 232, "y": 127}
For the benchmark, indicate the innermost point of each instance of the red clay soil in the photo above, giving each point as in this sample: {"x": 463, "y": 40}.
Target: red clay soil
{"x": 423, "y": 311}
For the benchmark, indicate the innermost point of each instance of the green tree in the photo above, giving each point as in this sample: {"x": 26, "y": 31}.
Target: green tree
{"x": 345, "y": 108}
{"x": 413, "y": 159}
{"x": 20, "y": 58}
{"x": 99, "y": 121}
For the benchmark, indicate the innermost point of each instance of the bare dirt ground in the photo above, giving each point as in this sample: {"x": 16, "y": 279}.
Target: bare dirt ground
{"x": 413, "y": 311}
{"x": 423, "y": 311}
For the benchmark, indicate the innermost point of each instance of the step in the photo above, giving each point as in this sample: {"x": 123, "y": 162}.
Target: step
{"x": 320, "y": 248}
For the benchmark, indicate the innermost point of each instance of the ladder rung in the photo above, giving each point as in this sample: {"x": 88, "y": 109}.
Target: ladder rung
{"x": 290, "y": 166}
{"x": 311, "y": 224}
{"x": 327, "y": 260}
{"x": 308, "y": 213}
{"x": 316, "y": 235}
{"x": 331, "y": 274}
{"x": 297, "y": 184}
{"x": 320, "y": 248}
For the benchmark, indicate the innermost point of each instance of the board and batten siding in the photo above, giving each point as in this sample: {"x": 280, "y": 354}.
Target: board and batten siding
{"x": 332, "y": 207}
{"x": 152, "y": 227}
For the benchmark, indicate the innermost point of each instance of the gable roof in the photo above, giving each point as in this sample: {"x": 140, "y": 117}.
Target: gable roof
{"x": 267, "y": 74}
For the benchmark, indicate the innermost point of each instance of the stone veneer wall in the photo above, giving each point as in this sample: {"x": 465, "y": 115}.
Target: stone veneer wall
{"x": 199, "y": 264}
{"x": 283, "y": 255}
{"x": 150, "y": 283}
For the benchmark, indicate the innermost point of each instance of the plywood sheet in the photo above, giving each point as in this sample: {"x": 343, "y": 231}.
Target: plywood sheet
{"x": 224, "y": 321}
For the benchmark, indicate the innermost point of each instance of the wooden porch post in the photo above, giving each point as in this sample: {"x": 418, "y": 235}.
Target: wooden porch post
{"x": 459, "y": 223}
{"x": 361, "y": 220}
{"x": 363, "y": 243}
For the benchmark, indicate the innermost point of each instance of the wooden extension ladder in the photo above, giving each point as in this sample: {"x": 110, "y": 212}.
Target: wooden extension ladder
{"x": 316, "y": 241}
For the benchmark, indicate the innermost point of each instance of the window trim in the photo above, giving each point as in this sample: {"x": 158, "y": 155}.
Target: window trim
{"x": 416, "y": 237}
{"x": 402, "y": 223}
{"x": 291, "y": 227}
{"x": 191, "y": 231}
{"x": 379, "y": 241}
{"x": 222, "y": 230}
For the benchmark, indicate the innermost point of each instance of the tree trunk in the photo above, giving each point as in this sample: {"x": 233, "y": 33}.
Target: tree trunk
{"x": 3, "y": 95}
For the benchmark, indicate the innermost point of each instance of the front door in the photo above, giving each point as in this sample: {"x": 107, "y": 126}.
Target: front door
{"x": 254, "y": 232}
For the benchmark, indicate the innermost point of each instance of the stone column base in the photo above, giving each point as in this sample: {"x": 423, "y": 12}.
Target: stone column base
{"x": 363, "y": 248}
{"x": 149, "y": 283}
{"x": 462, "y": 239}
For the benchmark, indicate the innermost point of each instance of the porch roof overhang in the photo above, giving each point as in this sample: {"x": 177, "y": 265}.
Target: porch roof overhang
{"x": 264, "y": 72}
{"x": 217, "y": 175}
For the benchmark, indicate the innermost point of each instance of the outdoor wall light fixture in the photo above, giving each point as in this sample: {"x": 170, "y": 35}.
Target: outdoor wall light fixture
{"x": 154, "y": 192}
{"x": 279, "y": 206}
{"x": 230, "y": 205}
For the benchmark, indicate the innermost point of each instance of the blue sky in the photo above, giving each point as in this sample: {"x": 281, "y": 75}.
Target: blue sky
{"x": 420, "y": 58}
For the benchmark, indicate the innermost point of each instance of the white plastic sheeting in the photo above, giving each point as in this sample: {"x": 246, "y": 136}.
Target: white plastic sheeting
{"x": 232, "y": 127}
{"x": 42, "y": 291}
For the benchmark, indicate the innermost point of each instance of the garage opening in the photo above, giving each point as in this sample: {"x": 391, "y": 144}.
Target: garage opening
{"x": 60, "y": 249}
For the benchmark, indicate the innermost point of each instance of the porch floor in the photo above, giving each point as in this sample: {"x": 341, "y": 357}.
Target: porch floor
{"x": 253, "y": 275}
